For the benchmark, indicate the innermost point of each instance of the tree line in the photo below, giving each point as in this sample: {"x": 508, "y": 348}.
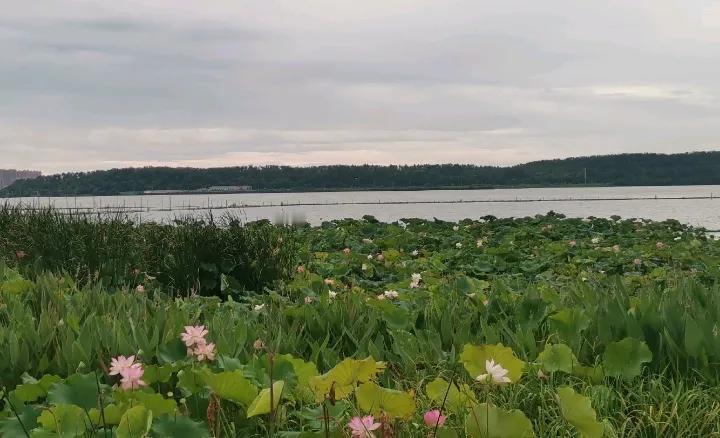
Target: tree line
{"x": 619, "y": 170}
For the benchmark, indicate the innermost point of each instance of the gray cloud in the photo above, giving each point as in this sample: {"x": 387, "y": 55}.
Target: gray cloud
{"x": 94, "y": 84}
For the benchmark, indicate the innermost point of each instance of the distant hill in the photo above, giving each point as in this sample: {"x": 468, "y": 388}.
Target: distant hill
{"x": 619, "y": 170}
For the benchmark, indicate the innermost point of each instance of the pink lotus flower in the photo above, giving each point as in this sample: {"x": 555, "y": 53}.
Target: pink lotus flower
{"x": 119, "y": 364}
{"x": 572, "y": 243}
{"x": 363, "y": 427}
{"x": 132, "y": 377}
{"x": 194, "y": 335}
{"x": 205, "y": 351}
{"x": 434, "y": 418}
{"x": 300, "y": 269}
{"x": 346, "y": 251}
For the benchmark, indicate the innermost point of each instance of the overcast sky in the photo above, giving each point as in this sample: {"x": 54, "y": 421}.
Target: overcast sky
{"x": 101, "y": 84}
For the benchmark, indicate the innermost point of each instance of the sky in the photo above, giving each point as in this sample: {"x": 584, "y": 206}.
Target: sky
{"x": 99, "y": 84}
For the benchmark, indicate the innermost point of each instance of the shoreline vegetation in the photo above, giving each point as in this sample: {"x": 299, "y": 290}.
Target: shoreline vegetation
{"x": 541, "y": 326}
{"x": 697, "y": 168}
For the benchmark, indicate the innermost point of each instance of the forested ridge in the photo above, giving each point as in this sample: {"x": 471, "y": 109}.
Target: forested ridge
{"x": 620, "y": 170}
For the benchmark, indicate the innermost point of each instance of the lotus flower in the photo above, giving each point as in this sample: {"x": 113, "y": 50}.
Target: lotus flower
{"x": 194, "y": 335}
{"x": 119, "y": 364}
{"x": 205, "y": 351}
{"x": 132, "y": 377}
{"x": 363, "y": 427}
{"x": 495, "y": 374}
{"x": 434, "y": 418}
{"x": 390, "y": 294}
{"x": 415, "y": 282}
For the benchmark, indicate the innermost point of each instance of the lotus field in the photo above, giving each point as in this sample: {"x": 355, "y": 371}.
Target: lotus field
{"x": 494, "y": 328}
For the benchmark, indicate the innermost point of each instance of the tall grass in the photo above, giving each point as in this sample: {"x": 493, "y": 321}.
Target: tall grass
{"x": 189, "y": 255}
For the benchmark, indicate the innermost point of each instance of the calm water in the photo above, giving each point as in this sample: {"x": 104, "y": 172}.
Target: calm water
{"x": 701, "y": 212}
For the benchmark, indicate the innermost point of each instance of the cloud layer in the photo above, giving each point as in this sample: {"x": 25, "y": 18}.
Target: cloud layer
{"x": 96, "y": 84}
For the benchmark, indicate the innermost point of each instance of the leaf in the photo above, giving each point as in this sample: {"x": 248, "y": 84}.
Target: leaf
{"x": 694, "y": 338}
{"x": 178, "y": 426}
{"x": 190, "y": 381}
{"x": 304, "y": 372}
{"x": 11, "y": 427}
{"x": 156, "y": 403}
{"x": 487, "y": 421}
{"x": 231, "y": 385}
{"x": 625, "y": 358}
{"x": 31, "y": 391}
{"x": 595, "y": 374}
{"x": 78, "y": 389}
{"x": 376, "y": 400}
{"x": 578, "y": 411}
{"x": 135, "y": 423}
{"x": 569, "y": 324}
{"x": 64, "y": 419}
{"x": 343, "y": 378}
{"x": 458, "y": 398}
{"x": 474, "y": 357}
{"x": 558, "y": 357}
{"x": 173, "y": 351}
{"x": 112, "y": 412}
{"x": 154, "y": 373}
{"x": 261, "y": 404}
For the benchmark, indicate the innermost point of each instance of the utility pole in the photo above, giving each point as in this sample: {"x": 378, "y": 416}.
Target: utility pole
{"x": 585, "y": 174}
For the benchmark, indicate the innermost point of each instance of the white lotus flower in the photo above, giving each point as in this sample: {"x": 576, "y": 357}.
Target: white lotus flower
{"x": 370, "y": 257}
{"x": 595, "y": 240}
{"x": 390, "y": 294}
{"x": 458, "y": 245}
{"x": 364, "y": 267}
{"x": 479, "y": 243}
{"x": 258, "y": 307}
{"x": 496, "y": 374}
{"x": 402, "y": 224}
{"x": 455, "y": 228}
{"x": 415, "y": 282}
{"x": 332, "y": 294}
{"x": 415, "y": 253}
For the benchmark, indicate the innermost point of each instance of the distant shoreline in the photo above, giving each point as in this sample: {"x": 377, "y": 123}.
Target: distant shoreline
{"x": 351, "y": 190}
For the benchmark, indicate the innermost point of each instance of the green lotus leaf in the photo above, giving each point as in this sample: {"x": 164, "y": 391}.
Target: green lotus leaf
{"x": 376, "y": 400}
{"x": 488, "y": 421}
{"x": 578, "y": 411}
{"x": 625, "y": 358}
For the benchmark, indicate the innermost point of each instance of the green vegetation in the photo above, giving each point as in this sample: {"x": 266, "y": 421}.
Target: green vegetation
{"x": 543, "y": 326}
{"x": 619, "y": 170}
{"x": 191, "y": 255}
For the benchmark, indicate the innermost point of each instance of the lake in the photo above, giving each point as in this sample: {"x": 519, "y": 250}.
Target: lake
{"x": 443, "y": 204}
